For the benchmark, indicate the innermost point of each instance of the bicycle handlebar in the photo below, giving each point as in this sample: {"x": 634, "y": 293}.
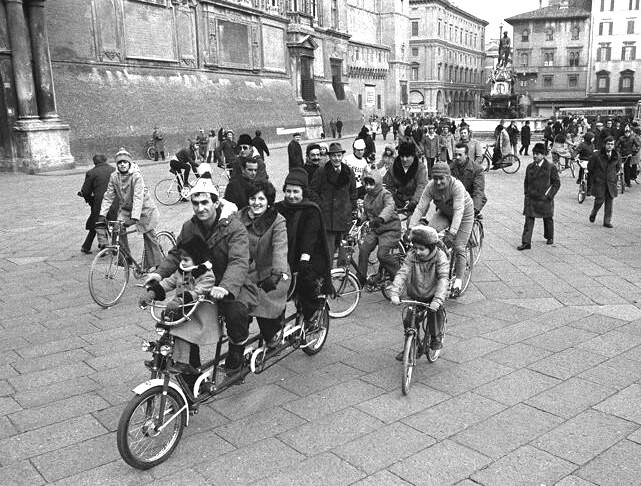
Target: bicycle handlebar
{"x": 419, "y": 303}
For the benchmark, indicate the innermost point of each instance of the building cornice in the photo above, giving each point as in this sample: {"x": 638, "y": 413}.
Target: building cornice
{"x": 448, "y": 6}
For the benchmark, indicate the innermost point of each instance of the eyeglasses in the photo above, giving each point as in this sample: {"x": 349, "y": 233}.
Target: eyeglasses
{"x": 245, "y": 147}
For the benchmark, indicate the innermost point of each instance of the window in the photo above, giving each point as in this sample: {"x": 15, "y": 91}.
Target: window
{"x": 414, "y": 74}
{"x": 548, "y": 59}
{"x": 629, "y": 52}
{"x": 337, "y": 79}
{"x": 438, "y": 72}
{"x": 630, "y": 27}
{"x": 439, "y": 27}
{"x": 549, "y": 34}
{"x": 525, "y": 36}
{"x": 414, "y": 51}
{"x": 547, "y": 81}
{"x": 626, "y": 81}
{"x": 575, "y": 33}
{"x": 523, "y": 83}
{"x": 573, "y": 81}
{"x": 603, "y": 82}
{"x": 605, "y": 28}
{"x": 378, "y": 101}
{"x": 604, "y": 53}
{"x": 634, "y": 5}
{"x": 524, "y": 59}
{"x": 611, "y": 4}
{"x": 360, "y": 101}
{"x": 602, "y": 5}
{"x": 573, "y": 58}
{"x": 415, "y": 28}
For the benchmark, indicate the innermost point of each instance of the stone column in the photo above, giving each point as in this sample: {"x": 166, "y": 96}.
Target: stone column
{"x": 23, "y": 74}
{"x": 41, "y": 60}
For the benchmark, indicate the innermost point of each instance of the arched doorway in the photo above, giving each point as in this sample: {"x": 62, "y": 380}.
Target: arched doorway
{"x": 439, "y": 101}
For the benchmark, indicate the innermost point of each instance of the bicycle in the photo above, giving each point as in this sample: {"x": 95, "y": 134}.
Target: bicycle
{"x": 153, "y": 421}
{"x": 570, "y": 162}
{"x": 625, "y": 162}
{"x": 476, "y": 237}
{"x": 150, "y": 149}
{"x": 172, "y": 190}
{"x": 620, "y": 181}
{"x": 415, "y": 346}
{"x": 583, "y": 183}
{"x": 109, "y": 271}
{"x": 510, "y": 163}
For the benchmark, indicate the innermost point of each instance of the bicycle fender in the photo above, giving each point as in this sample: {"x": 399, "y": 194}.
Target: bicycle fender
{"x": 146, "y": 385}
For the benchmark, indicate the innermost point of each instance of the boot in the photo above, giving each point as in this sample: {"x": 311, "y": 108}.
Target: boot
{"x": 234, "y": 359}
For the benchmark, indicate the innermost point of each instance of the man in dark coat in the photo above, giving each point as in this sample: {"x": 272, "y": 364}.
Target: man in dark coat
{"x": 93, "y": 189}
{"x": 295, "y": 152}
{"x": 541, "y": 184}
{"x": 239, "y": 187}
{"x": 313, "y": 160}
{"x": 513, "y": 132}
{"x": 339, "y": 127}
{"x": 526, "y": 134}
{"x": 602, "y": 180}
{"x": 332, "y": 127}
{"x": 470, "y": 174}
{"x": 260, "y": 145}
{"x": 333, "y": 188}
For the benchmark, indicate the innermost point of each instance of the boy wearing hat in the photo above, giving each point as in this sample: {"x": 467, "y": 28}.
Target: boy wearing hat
{"x": 540, "y": 186}
{"x": 136, "y": 206}
{"x": 424, "y": 276}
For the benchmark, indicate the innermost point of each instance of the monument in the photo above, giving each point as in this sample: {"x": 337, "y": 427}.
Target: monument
{"x": 501, "y": 102}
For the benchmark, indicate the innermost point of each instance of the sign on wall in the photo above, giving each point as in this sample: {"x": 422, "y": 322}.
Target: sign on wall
{"x": 148, "y": 31}
{"x": 273, "y": 48}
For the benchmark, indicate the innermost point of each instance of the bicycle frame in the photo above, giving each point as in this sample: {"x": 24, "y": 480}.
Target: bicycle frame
{"x": 114, "y": 233}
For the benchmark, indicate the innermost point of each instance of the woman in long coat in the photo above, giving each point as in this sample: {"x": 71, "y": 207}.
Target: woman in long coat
{"x": 267, "y": 232}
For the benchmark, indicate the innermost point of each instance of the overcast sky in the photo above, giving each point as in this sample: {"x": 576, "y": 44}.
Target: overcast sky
{"x": 494, "y": 11}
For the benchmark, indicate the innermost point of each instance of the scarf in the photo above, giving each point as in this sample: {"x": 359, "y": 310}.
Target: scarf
{"x": 399, "y": 173}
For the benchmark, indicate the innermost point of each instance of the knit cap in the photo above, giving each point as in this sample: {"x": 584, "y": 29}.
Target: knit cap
{"x": 441, "y": 169}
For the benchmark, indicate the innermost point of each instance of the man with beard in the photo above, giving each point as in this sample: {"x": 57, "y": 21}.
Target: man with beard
{"x": 313, "y": 160}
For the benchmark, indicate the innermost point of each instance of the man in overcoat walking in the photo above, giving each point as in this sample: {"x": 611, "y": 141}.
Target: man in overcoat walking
{"x": 541, "y": 184}
{"x": 93, "y": 190}
{"x": 295, "y": 152}
{"x": 602, "y": 180}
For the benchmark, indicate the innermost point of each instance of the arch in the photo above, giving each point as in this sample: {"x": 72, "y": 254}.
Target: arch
{"x": 416, "y": 98}
{"x": 439, "y": 101}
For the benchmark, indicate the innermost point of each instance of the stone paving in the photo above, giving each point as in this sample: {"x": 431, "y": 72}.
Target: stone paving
{"x": 538, "y": 382}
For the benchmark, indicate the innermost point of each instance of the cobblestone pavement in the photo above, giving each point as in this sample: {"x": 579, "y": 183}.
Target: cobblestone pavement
{"x": 538, "y": 382}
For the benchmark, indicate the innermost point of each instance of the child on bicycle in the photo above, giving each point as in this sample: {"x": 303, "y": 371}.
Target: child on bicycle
{"x": 193, "y": 279}
{"x": 379, "y": 210}
{"x": 424, "y": 276}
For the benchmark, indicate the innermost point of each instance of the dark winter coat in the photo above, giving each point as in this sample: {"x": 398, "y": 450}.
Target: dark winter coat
{"x": 540, "y": 186}
{"x": 295, "y": 154}
{"x": 602, "y": 174}
{"x": 268, "y": 251}
{"x": 335, "y": 194}
{"x": 526, "y": 135}
{"x": 228, "y": 252}
{"x": 93, "y": 190}
{"x": 406, "y": 186}
{"x": 238, "y": 190}
{"x": 380, "y": 203}
{"x": 472, "y": 176}
{"x": 261, "y": 146}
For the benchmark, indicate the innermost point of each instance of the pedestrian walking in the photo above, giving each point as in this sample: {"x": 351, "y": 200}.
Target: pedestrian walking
{"x": 526, "y": 134}
{"x": 541, "y": 184}
{"x": 339, "y": 127}
{"x": 295, "y": 152}
{"x": 93, "y": 190}
{"x": 332, "y": 127}
{"x": 260, "y": 145}
{"x": 602, "y": 180}
{"x": 159, "y": 143}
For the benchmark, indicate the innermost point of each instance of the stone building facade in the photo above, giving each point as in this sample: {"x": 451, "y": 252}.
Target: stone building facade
{"x": 446, "y": 55}
{"x": 122, "y": 66}
{"x": 615, "y": 53}
{"x": 550, "y": 56}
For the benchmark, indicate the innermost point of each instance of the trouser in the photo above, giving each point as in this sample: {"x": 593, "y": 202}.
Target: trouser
{"x": 524, "y": 148}
{"x": 237, "y": 324}
{"x": 269, "y": 327}
{"x": 333, "y": 133}
{"x": 528, "y": 228}
{"x": 440, "y": 222}
{"x": 598, "y": 202}
{"x": 184, "y": 166}
{"x": 152, "y": 255}
{"x": 340, "y": 133}
{"x": 161, "y": 153}
{"x": 435, "y": 320}
{"x": 91, "y": 234}
{"x": 384, "y": 135}
{"x": 629, "y": 172}
{"x": 308, "y": 286}
{"x": 332, "y": 237}
{"x": 430, "y": 165}
{"x": 386, "y": 242}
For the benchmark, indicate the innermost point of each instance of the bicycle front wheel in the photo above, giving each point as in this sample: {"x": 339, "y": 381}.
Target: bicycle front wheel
{"x": 108, "y": 277}
{"x": 140, "y": 442}
{"x": 486, "y": 163}
{"x": 476, "y": 240}
{"x": 166, "y": 241}
{"x": 409, "y": 361}
{"x": 347, "y": 291}
{"x": 572, "y": 165}
{"x": 469, "y": 266}
{"x": 151, "y": 153}
{"x": 315, "y": 338}
{"x": 167, "y": 192}
{"x": 582, "y": 192}
{"x": 510, "y": 164}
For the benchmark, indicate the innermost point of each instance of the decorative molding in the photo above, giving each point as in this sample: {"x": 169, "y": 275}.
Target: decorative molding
{"x": 112, "y": 55}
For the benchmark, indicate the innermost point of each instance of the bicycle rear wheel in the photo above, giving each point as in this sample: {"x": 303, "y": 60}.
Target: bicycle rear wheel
{"x": 151, "y": 153}
{"x": 476, "y": 240}
{"x": 166, "y": 241}
{"x": 511, "y": 164}
{"x": 347, "y": 290}
{"x": 582, "y": 192}
{"x": 486, "y": 163}
{"x": 167, "y": 192}
{"x": 108, "y": 277}
{"x": 409, "y": 361}
{"x": 315, "y": 338}
{"x": 469, "y": 266}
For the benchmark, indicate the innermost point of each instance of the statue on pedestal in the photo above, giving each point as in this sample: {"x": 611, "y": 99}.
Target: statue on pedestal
{"x": 504, "y": 50}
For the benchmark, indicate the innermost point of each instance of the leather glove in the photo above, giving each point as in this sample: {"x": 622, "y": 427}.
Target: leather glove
{"x": 434, "y": 306}
{"x": 145, "y": 299}
{"x": 270, "y": 282}
{"x": 157, "y": 289}
{"x": 448, "y": 238}
{"x": 130, "y": 222}
{"x": 411, "y": 206}
{"x": 377, "y": 222}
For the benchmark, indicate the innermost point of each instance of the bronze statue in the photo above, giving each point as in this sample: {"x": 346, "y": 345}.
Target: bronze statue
{"x": 504, "y": 50}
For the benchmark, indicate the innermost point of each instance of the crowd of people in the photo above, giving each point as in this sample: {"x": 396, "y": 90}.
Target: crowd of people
{"x": 242, "y": 247}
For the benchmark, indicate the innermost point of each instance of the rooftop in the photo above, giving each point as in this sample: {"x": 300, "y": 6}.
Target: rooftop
{"x": 576, "y": 9}
{"x": 449, "y": 5}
